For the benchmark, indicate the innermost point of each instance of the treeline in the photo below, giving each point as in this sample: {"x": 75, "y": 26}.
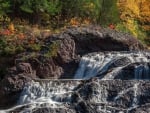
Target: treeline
{"x": 57, "y": 12}
{"x": 125, "y": 15}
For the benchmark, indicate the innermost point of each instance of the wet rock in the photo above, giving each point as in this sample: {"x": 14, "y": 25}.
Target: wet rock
{"x": 139, "y": 70}
{"x": 88, "y": 96}
{"x": 11, "y": 87}
{"x": 54, "y": 110}
{"x": 14, "y": 82}
{"x": 114, "y": 65}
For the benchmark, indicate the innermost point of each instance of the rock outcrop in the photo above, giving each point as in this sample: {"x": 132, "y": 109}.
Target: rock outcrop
{"x": 12, "y": 84}
{"x": 75, "y": 42}
{"x": 93, "y": 39}
{"x": 72, "y": 44}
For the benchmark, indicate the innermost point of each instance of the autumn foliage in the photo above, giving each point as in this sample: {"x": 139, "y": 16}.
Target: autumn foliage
{"x": 135, "y": 10}
{"x": 132, "y": 16}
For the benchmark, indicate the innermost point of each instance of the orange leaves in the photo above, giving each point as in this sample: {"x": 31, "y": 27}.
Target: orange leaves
{"x": 8, "y": 31}
{"x": 112, "y": 26}
{"x": 21, "y": 36}
{"x": 5, "y": 32}
{"x": 79, "y": 21}
{"x": 74, "y": 22}
{"x": 86, "y": 21}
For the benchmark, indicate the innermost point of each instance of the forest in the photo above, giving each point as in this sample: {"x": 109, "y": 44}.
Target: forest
{"x": 20, "y": 19}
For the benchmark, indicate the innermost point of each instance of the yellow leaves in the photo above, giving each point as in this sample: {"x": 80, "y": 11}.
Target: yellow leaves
{"x": 131, "y": 7}
{"x": 138, "y": 10}
{"x": 145, "y": 13}
{"x": 130, "y": 23}
{"x": 11, "y": 27}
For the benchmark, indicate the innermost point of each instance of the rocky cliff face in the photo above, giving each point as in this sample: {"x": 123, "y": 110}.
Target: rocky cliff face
{"x": 72, "y": 44}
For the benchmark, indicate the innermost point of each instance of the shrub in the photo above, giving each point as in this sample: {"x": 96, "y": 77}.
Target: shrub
{"x": 4, "y": 7}
{"x": 122, "y": 27}
{"x": 35, "y": 47}
{"x": 9, "y": 50}
{"x": 52, "y": 50}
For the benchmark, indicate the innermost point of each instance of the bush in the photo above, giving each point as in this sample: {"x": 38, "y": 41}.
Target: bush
{"x": 122, "y": 27}
{"x": 52, "y": 50}
{"x": 35, "y": 47}
{"x": 4, "y": 7}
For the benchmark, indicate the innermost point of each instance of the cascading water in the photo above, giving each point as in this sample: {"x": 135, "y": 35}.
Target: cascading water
{"x": 107, "y": 65}
{"x": 101, "y": 94}
{"x": 52, "y": 93}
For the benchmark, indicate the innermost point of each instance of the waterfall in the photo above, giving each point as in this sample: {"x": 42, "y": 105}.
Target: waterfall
{"x": 141, "y": 70}
{"x": 135, "y": 101}
{"x": 100, "y": 94}
{"x": 47, "y": 94}
{"x": 102, "y": 64}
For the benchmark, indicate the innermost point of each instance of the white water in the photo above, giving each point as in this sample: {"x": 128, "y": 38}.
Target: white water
{"x": 57, "y": 94}
{"x": 95, "y": 64}
{"x": 47, "y": 94}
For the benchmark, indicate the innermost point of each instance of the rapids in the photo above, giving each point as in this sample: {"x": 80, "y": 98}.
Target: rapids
{"x": 95, "y": 87}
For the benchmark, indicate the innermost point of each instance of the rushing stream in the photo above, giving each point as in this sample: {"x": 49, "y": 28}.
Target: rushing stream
{"x": 108, "y": 65}
{"x": 94, "y": 88}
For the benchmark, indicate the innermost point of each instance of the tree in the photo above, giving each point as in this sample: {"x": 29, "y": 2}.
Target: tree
{"x": 36, "y": 8}
{"x": 108, "y": 13}
{"x": 4, "y": 7}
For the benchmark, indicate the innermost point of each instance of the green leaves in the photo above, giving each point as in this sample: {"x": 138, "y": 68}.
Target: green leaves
{"x": 4, "y": 7}
{"x": 100, "y": 11}
{"x": 39, "y": 6}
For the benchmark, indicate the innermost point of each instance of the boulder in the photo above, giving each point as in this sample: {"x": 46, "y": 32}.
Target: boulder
{"x": 13, "y": 83}
{"x": 10, "y": 88}
{"x": 48, "y": 69}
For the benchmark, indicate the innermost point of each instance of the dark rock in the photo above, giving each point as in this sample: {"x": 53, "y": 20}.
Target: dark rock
{"x": 93, "y": 39}
{"x": 49, "y": 69}
{"x": 14, "y": 82}
{"x": 66, "y": 52}
{"x": 24, "y": 68}
{"x": 139, "y": 70}
{"x": 54, "y": 110}
{"x": 11, "y": 87}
